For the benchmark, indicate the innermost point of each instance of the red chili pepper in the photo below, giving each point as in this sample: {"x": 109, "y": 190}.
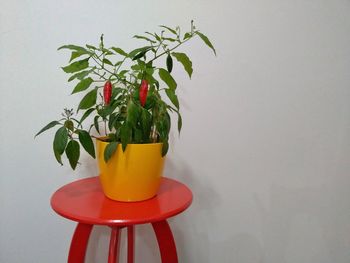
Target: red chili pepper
{"x": 107, "y": 92}
{"x": 143, "y": 92}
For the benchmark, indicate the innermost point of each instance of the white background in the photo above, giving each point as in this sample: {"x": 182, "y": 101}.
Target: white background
{"x": 265, "y": 143}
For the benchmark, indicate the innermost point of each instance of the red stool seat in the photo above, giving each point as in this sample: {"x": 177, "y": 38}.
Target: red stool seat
{"x": 84, "y": 202}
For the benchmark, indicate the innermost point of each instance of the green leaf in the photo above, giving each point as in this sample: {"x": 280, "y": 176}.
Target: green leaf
{"x": 120, "y": 51}
{"x": 148, "y": 33}
{"x": 91, "y": 47}
{"x": 169, "y": 39}
{"x": 107, "y": 52}
{"x": 108, "y": 62}
{"x": 86, "y": 142}
{"x": 167, "y": 122}
{"x": 86, "y": 114}
{"x": 169, "y": 63}
{"x": 135, "y": 67}
{"x": 76, "y": 54}
{"x": 101, "y": 42}
{"x": 60, "y": 142}
{"x": 48, "y": 126}
{"x": 80, "y": 75}
{"x": 125, "y": 134}
{"x": 157, "y": 37}
{"x": 122, "y": 73}
{"x": 116, "y": 92}
{"x": 140, "y": 55}
{"x": 97, "y": 126}
{"x": 89, "y": 100}
{"x": 107, "y": 110}
{"x": 187, "y": 35}
{"x": 206, "y": 41}
{"x": 151, "y": 100}
{"x": 146, "y": 122}
{"x": 110, "y": 150}
{"x": 132, "y": 113}
{"x": 58, "y": 157}
{"x": 139, "y": 50}
{"x": 165, "y": 148}
{"x": 173, "y": 98}
{"x": 73, "y": 153}
{"x": 112, "y": 119}
{"x": 76, "y": 66}
{"x": 185, "y": 61}
{"x": 82, "y": 85}
{"x": 169, "y": 29}
{"x": 167, "y": 78}
{"x": 69, "y": 125}
{"x": 149, "y": 68}
{"x": 73, "y": 47}
{"x": 138, "y": 135}
{"x": 118, "y": 63}
{"x": 163, "y": 127}
{"x": 144, "y": 38}
{"x": 179, "y": 122}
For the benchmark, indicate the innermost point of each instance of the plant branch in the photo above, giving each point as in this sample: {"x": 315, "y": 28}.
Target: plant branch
{"x": 110, "y": 72}
{"x": 101, "y": 76}
{"x": 165, "y": 52}
{"x": 116, "y": 71}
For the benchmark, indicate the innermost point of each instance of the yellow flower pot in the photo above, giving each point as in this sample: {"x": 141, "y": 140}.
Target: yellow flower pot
{"x": 133, "y": 175}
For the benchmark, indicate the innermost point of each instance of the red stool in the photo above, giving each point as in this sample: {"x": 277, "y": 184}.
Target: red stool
{"x": 83, "y": 201}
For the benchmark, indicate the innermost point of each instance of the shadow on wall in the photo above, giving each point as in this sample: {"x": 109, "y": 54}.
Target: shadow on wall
{"x": 302, "y": 225}
{"x": 88, "y": 167}
{"x": 196, "y": 230}
{"x": 192, "y": 229}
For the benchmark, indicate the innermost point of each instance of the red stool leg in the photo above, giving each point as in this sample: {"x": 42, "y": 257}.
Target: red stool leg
{"x": 114, "y": 245}
{"x": 166, "y": 242}
{"x": 131, "y": 244}
{"x": 79, "y": 243}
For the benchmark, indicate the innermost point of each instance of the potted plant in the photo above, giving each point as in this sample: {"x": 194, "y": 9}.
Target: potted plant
{"x": 128, "y": 96}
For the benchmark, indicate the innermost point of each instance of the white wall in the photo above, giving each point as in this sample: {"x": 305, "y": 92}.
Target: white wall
{"x": 265, "y": 144}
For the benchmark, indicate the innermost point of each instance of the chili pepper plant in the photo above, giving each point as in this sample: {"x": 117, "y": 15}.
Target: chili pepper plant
{"x": 127, "y": 96}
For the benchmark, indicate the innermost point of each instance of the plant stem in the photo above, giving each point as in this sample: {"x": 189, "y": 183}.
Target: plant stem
{"x": 160, "y": 43}
{"x": 101, "y": 76}
{"x": 110, "y": 72}
{"x": 105, "y": 127}
{"x": 116, "y": 71}
{"x": 168, "y": 51}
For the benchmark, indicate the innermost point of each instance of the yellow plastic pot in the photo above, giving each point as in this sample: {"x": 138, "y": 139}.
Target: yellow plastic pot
{"x": 133, "y": 175}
